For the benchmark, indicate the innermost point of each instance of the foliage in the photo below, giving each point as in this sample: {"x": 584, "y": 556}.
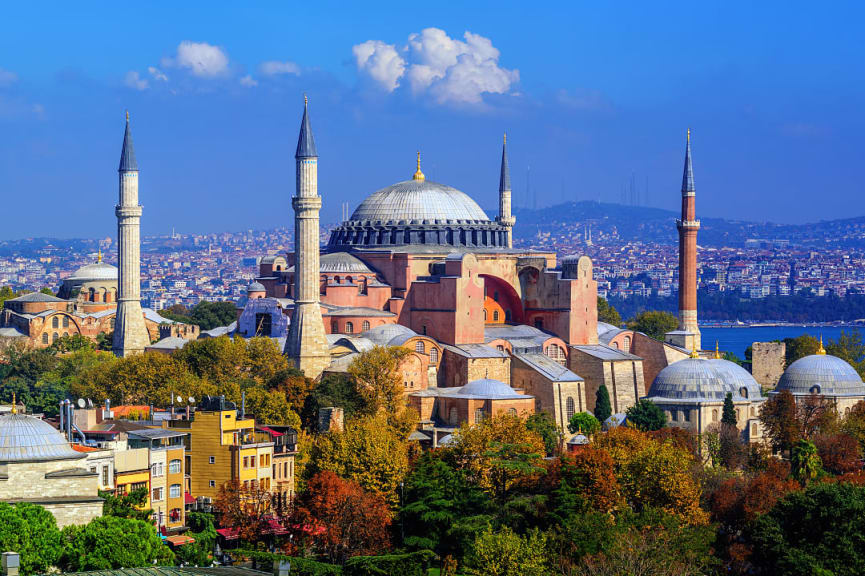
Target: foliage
{"x": 544, "y": 426}
{"x": 292, "y": 382}
{"x": 130, "y": 505}
{"x": 202, "y": 530}
{"x": 270, "y": 407}
{"x": 71, "y": 343}
{"x": 839, "y": 453}
{"x": 799, "y": 347}
{"x": 376, "y": 374}
{"x": 207, "y": 315}
{"x": 584, "y": 423}
{"x": 340, "y": 518}
{"x": 645, "y": 415}
{"x": 505, "y": 553}
{"x": 654, "y": 323}
{"x": 411, "y": 564}
{"x": 335, "y": 390}
{"x": 108, "y": 543}
{"x": 850, "y": 348}
{"x": 817, "y": 531}
{"x": 608, "y": 314}
{"x": 804, "y": 461}
{"x": 853, "y": 424}
{"x": 299, "y": 566}
{"x": 778, "y": 417}
{"x": 587, "y": 482}
{"x": 31, "y": 531}
{"x": 728, "y": 415}
{"x": 245, "y": 508}
{"x": 732, "y": 454}
{"x": 224, "y": 359}
{"x": 369, "y": 451}
{"x": 603, "y": 408}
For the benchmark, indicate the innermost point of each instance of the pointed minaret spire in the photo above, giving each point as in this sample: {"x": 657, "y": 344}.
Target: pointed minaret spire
{"x": 688, "y": 188}
{"x": 127, "y": 155}
{"x": 505, "y": 218}
{"x": 305, "y": 141}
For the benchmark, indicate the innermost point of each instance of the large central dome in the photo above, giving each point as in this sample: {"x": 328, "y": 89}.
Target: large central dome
{"x": 420, "y": 202}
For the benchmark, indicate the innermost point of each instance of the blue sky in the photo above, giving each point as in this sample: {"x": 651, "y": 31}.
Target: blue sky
{"x": 591, "y": 95}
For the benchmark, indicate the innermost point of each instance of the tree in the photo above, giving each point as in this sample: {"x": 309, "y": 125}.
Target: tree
{"x": 805, "y": 461}
{"x": 270, "y": 407}
{"x": 608, "y": 314}
{"x": 210, "y": 315}
{"x": 645, "y": 415}
{"x": 109, "y": 543}
{"x": 335, "y": 390}
{"x": 854, "y": 423}
{"x": 817, "y": 531}
{"x": 130, "y": 505}
{"x": 799, "y": 347}
{"x": 603, "y": 408}
{"x": 369, "y": 451}
{"x": 544, "y": 426}
{"x": 728, "y": 415}
{"x": 31, "y": 531}
{"x": 505, "y": 553}
{"x": 654, "y": 323}
{"x": 732, "y": 454}
{"x": 292, "y": 382}
{"x": 585, "y": 423}
{"x": 839, "y": 453}
{"x": 341, "y": 519}
{"x": 244, "y": 508}
{"x": 850, "y": 348}
{"x": 376, "y": 374}
{"x": 71, "y": 343}
{"x": 587, "y": 482}
{"x": 202, "y": 530}
{"x": 778, "y": 416}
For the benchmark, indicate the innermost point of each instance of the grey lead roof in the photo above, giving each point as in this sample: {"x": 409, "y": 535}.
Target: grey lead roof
{"x": 305, "y": 141}
{"x": 128, "y": 163}
{"x": 421, "y": 202}
{"x": 36, "y": 297}
{"x": 831, "y": 374}
{"x": 688, "y": 176}
{"x": 548, "y": 368}
{"x": 505, "y": 176}
{"x": 696, "y": 379}
{"x": 27, "y": 439}
{"x": 604, "y": 352}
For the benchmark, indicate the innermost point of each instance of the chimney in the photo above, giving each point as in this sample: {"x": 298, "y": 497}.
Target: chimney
{"x": 63, "y": 416}
{"x": 11, "y": 563}
{"x": 281, "y": 567}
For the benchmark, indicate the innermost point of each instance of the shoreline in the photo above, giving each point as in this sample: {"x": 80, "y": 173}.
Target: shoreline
{"x": 785, "y": 325}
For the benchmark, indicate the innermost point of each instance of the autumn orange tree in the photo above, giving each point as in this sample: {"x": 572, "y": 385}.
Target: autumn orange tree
{"x": 376, "y": 374}
{"x": 246, "y": 509}
{"x": 341, "y": 519}
{"x": 588, "y": 482}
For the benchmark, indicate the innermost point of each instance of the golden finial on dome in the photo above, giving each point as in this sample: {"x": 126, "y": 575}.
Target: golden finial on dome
{"x": 505, "y": 139}
{"x": 127, "y": 115}
{"x": 689, "y": 134}
{"x": 821, "y": 351}
{"x": 418, "y": 175}
{"x": 14, "y": 404}
{"x": 695, "y": 353}
{"x": 305, "y": 100}
{"x": 717, "y": 351}
{"x": 99, "y": 256}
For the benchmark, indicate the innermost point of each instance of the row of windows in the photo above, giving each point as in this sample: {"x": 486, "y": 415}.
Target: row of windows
{"x": 285, "y": 470}
{"x": 349, "y": 327}
{"x": 158, "y": 468}
{"x": 55, "y": 322}
{"x": 249, "y": 461}
{"x": 174, "y": 491}
{"x": 264, "y": 484}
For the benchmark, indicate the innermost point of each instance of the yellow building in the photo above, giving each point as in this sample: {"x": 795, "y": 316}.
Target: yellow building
{"x": 132, "y": 471}
{"x": 284, "y": 440}
{"x": 167, "y": 454}
{"x": 222, "y": 447}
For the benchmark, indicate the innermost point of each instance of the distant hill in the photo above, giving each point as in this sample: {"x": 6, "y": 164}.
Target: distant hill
{"x": 631, "y": 223}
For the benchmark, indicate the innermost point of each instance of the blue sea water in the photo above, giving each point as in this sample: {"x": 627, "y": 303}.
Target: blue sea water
{"x": 736, "y": 339}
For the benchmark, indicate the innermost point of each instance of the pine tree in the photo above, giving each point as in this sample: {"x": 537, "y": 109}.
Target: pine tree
{"x": 603, "y": 410}
{"x": 728, "y": 416}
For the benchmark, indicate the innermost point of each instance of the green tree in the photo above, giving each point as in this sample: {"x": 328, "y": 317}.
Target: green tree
{"x": 6, "y": 293}
{"x": 31, "y": 531}
{"x": 608, "y": 314}
{"x": 127, "y": 505}
{"x": 728, "y": 415}
{"x": 603, "y": 408}
{"x": 805, "y": 461}
{"x": 585, "y": 423}
{"x": 505, "y": 553}
{"x": 850, "y": 348}
{"x": 820, "y": 530}
{"x": 645, "y": 415}
{"x": 800, "y": 346}
{"x": 109, "y": 542}
{"x": 377, "y": 376}
{"x": 72, "y": 343}
{"x": 209, "y": 315}
{"x": 46, "y": 290}
{"x": 202, "y": 530}
{"x": 654, "y": 323}
{"x": 335, "y": 390}
{"x": 544, "y": 426}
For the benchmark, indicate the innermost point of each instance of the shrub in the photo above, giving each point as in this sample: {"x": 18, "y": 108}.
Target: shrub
{"x": 412, "y": 564}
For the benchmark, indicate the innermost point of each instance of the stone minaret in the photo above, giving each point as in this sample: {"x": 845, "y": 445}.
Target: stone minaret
{"x": 130, "y": 333}
{"x": 306, "y": 344}
{"x": 505, "y": 218}
{"x": 688, "y": 226}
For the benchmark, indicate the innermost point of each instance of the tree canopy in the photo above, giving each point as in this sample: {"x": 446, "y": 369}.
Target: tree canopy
{"x": 654, "y": 323}
{"x": 608, "y": 314}
{"x": 646, "y": 416}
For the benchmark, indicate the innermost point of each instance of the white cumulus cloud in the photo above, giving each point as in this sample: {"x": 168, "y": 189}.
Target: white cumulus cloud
{"x": 249, "y": 81}
{"x": 200, "y": 58}
{"x": 448, "y": 69}
{"x": 380, "y": 62}
{"x": 276, "y": 68}
{"x": 157, "y": 74}
{"x": 134, "y": 80}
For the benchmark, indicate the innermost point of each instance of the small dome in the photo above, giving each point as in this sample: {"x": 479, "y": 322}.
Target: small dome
{"x": 256, "y": 287}
{"x": 384, "y": 333}
{"x": 97, "y": 271}
{"x": 697, "y": 379}
{"x": 27, "y": 439}
{"x": 488, "y": 388}
{"x": 821, "y": 374}
{"x": 579, "y": 440}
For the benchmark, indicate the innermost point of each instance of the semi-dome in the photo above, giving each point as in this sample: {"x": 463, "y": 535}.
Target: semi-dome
{"x": 27, "y": 439}
{"x": 821, "y": 374}
{"x": 97, "y": 271}
{"x": 488, "y": 388}
{"x": 696, "y": 379}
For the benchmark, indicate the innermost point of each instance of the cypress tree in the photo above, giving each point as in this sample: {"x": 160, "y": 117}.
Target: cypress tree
{"x": 603, "y": 410}
{"x": 728, "y": 416}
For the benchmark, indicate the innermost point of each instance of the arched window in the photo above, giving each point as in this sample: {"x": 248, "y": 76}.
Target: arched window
{"x": 815, "y": 389}
{"x": 419, "y": 347}
{"x": 336, "y": 279}
{"x": 495, "y": 315}
{"x": 674, "y": 415}
{"x": 55, "y": 322}
{"x": 433, "y": 355}
{"x": 479, "y": 415}
{"x": 754, "y": 411}
{"x": 500, "y": 348}
{"x": 54, "y": 337}
{"x": 66, "y": 321}
{"x": 485, "y": 314}
{"x": 349, "y": 328}
{"x": 743, "y": 392}
{"x": 507, "y": 315}
{"x": 738, "y": 416}
{"x": 453, "y": 415}
{"x": 365, "y": 325}
{"x": 615, "y": 345}
{"x": 627, "y": 347}
{"x": 754, "y": 429}
{"x": 570, "y": 408}
{"x": 714, "y": 414}
{"x": 91, "y": 295}
{"x": 349, "y": 280}
{"x": 174, "y": 466}
{"x": 45, "y": 337}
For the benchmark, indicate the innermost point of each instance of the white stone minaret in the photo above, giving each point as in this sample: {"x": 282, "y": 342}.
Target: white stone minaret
{"x": 130, "y": 333}
{"x": 505, "y": 218}
{"x": 306, "y": 345}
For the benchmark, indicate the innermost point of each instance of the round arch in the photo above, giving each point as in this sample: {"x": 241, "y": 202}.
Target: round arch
{"x": 501, "y": 297}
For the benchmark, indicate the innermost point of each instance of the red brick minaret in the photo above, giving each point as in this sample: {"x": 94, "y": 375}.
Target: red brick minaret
{"x": 688, "y": 226}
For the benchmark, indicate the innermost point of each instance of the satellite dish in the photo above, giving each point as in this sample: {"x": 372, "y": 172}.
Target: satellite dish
{"x": 192, "y": 399}
{"x": 180, "y": 399}
{"x": 81, "y": 403}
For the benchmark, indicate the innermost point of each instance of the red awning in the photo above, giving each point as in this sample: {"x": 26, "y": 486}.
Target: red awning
{"x": 270, "y": 431}
{"x": 229, "y": 533}
{"x": 188, "y": 499}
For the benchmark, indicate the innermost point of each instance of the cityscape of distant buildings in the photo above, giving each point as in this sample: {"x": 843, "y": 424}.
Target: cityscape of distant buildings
{"x": 190, "y": 268}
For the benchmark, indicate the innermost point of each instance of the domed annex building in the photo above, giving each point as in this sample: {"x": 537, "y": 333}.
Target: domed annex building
{"x": 825, "y": 376}
{"x": 38, "y": 465}
{"x": 691, "y": 393}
